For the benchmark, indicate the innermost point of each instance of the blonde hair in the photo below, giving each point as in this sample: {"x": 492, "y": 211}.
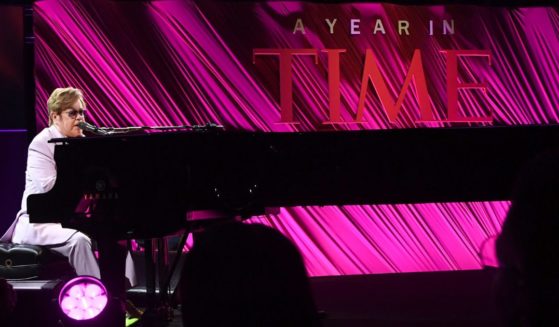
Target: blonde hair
{"x": 61, "y": 99}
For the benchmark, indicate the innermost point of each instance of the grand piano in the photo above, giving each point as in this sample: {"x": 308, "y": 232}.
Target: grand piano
{"x": 145, "y": 185}
{"x": 139, "y": 186}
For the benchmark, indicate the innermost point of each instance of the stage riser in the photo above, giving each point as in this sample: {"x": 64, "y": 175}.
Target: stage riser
{"x": 455, "y": 298}
{"x": 433, "y": 299}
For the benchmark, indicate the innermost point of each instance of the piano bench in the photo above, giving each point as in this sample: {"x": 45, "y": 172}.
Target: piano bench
{"x": 24, "y": 262}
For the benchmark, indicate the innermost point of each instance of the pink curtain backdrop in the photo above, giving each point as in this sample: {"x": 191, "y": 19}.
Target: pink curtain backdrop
{"x": 186, "y": 62}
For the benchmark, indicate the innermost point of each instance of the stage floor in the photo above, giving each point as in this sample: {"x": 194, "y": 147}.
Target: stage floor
{"x": 456, "y": 298}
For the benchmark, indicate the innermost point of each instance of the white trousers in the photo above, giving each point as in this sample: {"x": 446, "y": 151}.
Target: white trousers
{"x": 80, "y": 255}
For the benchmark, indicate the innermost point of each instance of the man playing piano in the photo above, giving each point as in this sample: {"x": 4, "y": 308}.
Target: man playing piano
{"x": 66, "y": 108}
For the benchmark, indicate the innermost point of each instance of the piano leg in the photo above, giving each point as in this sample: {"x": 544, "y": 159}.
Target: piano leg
{"x": 149, "y": 318}
{"x": 112, "y": 258}
{"x": 173, "y": 269}
{"x": 159, "y": 310}
{"x": 162, "y": 267}
{"x": 153, "y": 315}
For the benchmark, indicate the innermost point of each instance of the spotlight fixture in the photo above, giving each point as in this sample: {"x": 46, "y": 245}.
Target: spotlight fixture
{"x": 83, "y": 298}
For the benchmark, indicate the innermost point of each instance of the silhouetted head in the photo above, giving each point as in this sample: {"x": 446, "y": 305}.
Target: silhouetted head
{"x": 245, "y": 275}
{"x": 528, "y": 247}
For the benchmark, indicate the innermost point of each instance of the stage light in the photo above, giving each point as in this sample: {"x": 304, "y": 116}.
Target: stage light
{"x": 83, "y": 298}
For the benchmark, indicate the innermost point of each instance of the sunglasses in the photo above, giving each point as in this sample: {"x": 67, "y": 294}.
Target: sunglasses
{"x": 73, "y": 113}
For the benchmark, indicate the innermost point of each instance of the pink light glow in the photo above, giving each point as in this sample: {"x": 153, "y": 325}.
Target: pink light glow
{"x": 83, "y": 298}
{"x": 190, "y": 62}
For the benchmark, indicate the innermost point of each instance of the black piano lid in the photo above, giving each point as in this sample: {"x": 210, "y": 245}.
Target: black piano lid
{"x": 350, "y": 167}
{"x": 146, "y": 184}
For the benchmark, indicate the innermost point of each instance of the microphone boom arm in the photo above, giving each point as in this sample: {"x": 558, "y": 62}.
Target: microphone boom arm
{"x": 123, "y": 130}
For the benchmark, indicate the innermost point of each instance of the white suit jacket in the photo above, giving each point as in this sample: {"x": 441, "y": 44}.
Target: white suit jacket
{"x": 39, "y": 178}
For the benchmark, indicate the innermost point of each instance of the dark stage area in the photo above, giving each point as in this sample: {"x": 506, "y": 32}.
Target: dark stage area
{"x": 458, "y": 298}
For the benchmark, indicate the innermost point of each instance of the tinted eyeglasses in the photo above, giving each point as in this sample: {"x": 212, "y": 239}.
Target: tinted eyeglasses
{"x": 73, "y": 113}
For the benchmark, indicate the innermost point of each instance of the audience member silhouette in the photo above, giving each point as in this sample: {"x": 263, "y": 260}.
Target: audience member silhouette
{"x": 245, "y": 275}
{"x": 528, "y": 248}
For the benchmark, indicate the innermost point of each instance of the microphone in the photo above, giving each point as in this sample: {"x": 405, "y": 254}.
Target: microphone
{"x": 91, "y": 128}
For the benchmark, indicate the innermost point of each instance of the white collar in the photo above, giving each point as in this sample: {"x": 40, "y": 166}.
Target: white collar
{"x": 55, "y": 132}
